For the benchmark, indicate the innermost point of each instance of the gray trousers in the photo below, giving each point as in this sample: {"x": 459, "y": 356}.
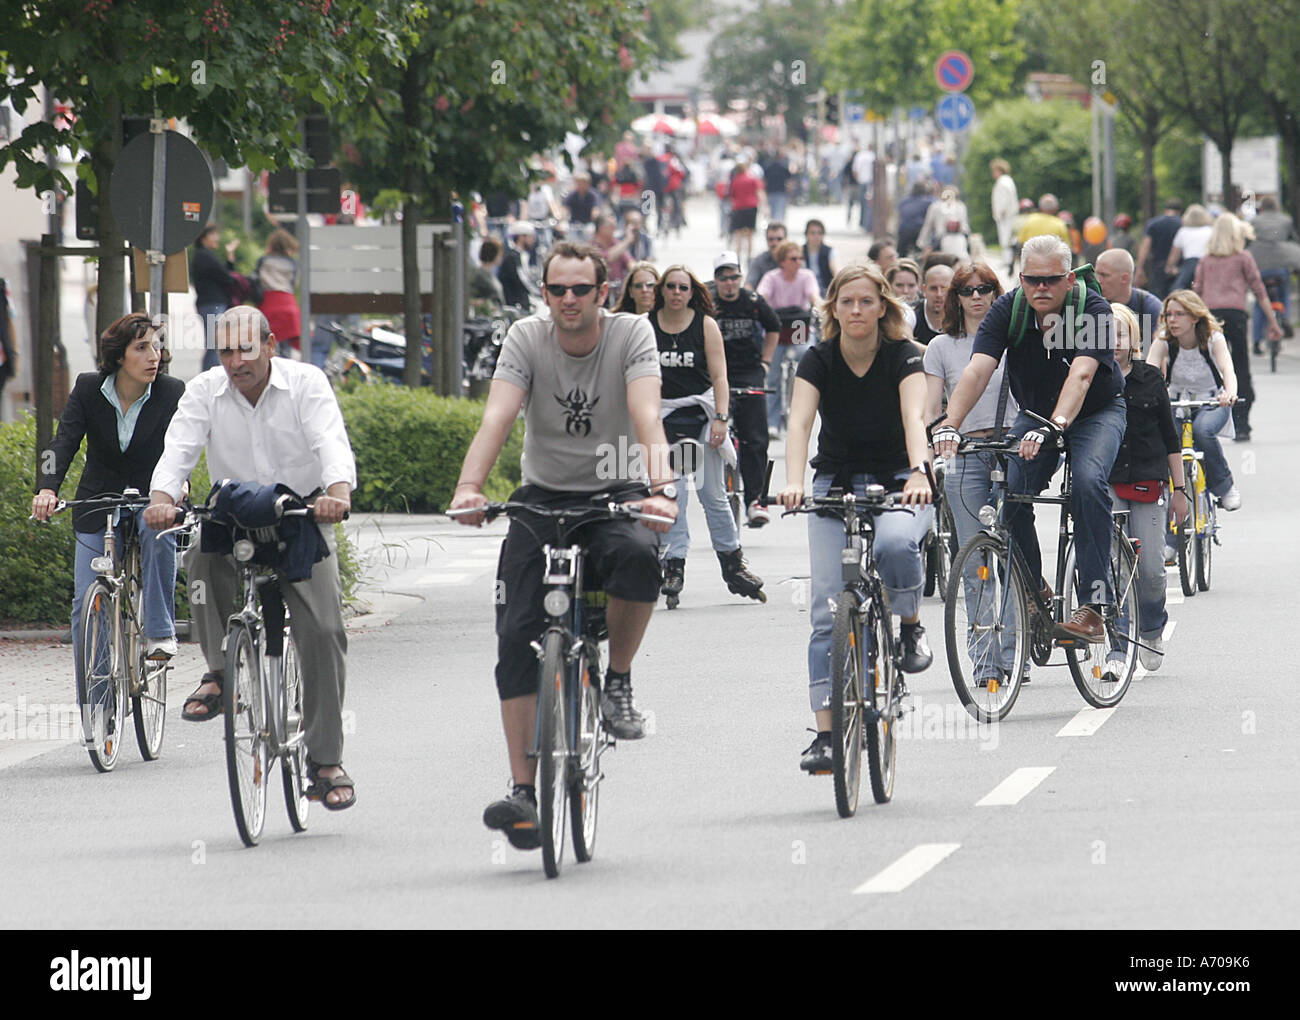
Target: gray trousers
{"x": 315, "y": 620}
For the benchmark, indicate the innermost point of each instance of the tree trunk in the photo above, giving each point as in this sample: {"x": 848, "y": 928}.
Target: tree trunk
{"x": 110, "y": 302}
{"x": 1231, "y": 197}
{"x": 411, "y": 292}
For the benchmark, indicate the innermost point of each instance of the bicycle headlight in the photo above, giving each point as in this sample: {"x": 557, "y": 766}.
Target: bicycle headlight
{"x": 102, "y": 564}
{"x": 244, "y": 550}
{"x": 556, "y": 602}
{"x": 987, "y": 515}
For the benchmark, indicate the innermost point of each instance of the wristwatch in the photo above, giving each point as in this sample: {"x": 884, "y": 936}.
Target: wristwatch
{"x": 724, "y": 418}
{"x": 669, "y": 491}
{"x": 1061, "y": 422}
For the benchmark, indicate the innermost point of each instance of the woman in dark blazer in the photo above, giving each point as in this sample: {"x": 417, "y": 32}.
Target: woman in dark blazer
{"x": 122, "y": 411}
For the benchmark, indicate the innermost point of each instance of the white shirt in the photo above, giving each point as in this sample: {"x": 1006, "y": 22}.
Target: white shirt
{"x": 864, "y": 164}
{"x": 1006, "y": 202}
{"x": 293, "y": 435}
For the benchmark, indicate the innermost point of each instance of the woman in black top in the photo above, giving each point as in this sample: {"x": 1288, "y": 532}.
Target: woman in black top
{"x": 696, "y": 399}
{"x": 867, "y": 381}
{"x": 1150, "y": 453}
{"x": 214, "y": 284}
{"x": 122, "y": 411}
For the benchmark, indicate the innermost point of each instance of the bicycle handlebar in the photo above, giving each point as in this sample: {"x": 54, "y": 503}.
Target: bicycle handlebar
{"x": 138, "y": 502}
{"x": 613, "y": 510}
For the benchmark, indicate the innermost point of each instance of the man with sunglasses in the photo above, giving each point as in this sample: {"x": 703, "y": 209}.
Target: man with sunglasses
{"x": 1062, "y": 369}
{"x": 750, "y": 330}
{"x": 588, "y": 382}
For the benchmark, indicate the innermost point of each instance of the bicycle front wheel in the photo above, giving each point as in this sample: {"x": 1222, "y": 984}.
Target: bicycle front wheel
{"x": 552, "y": 753}
{"x": 1102, "y": 670}
{"x": 293, "y": 765}
{"x": 882, "y": 700}
{"x": 986, "y": 628}
{"x": 847, "y": 704}
{"x": 246, "y": 742}
{"x": 101, "y": 686}
{"x": 584, "y": 790}
{"x": 1205, "y": 545}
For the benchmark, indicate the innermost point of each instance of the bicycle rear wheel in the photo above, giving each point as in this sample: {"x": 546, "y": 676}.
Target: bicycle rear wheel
{"x": 293, "y": 763}
{"x": 731, "y": 482}
{"x": 1186, "y": 535}
{"x": 1102, "y": 670}
{"x": 1205, "y": 545}
{"x": 246, "y": 745}
{"x": 847, "y": 703}
{"x": 584, "y": 790}
{"x": 882, "y": 701}
{"x": 552, "y": 753}
{"x": 101, "y": 686}
{"x": 986, "y": 628}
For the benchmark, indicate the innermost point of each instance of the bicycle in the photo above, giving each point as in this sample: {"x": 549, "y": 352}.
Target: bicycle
{"x": 867, "y": 688}
{"x": 941, "y": 543}
{"x": 113, "y": 665}
{"x": 731, "y": 479}
{"x": 1195, "y": 544}
{"x": 996, "y": 619}
{"x": 1277, "y": 290}
{"x": 262, "y": 692}
{"x": 569, "y": 739}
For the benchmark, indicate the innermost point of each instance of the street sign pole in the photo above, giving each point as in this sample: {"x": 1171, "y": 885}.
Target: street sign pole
{"x": 304, "y": 269}
{"x": 158, "y": 128}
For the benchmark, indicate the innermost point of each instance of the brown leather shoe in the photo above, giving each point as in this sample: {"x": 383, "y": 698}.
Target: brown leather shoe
{"x": 1085, "y": 624}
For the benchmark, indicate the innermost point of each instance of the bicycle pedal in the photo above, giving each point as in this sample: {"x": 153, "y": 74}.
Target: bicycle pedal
{"x": 822, "y": 772}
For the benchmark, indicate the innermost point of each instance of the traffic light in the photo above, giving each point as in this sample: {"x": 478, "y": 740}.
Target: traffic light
{"x": 833, "y": 109}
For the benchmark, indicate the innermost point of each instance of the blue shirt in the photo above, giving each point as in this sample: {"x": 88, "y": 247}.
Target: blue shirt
{"x": 125, "y": 422}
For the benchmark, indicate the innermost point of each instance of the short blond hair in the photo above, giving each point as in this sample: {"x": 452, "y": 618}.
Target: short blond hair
{"x": 1124, "y": 314}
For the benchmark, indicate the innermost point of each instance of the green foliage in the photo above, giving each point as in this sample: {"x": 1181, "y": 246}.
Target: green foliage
{"x": 410, "y": 444}
{"x": 1049, "y": 147}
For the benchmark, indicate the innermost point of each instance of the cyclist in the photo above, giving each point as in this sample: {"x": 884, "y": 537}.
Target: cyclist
{"x": 750, "y": 330}
{"x": 1188, "y": 325}
{"x": 1150, "y": 454}
{"x": 792, "y": 292}
{"x": 271, "y": 420}
{"x": 1064, "y": 370}
{"x": 122, "y": 411}
{"x": 585, "y": 379}
{"x": 865, "y": 379}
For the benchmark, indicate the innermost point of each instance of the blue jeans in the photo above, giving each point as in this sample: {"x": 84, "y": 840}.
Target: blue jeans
{"x": 1094, "y": 442}
{"x": 899, "y": 539}
{"x": 777, "y": 202}
{"x": 1148, "y": 523}
{"x": 707, "y": 479}
{"x": 1260, "y": 326}
{"x": 1206, "y": 426}
{"x": 208, "y": 314}
{"x": 157, "y": 580}
{"x": 967, "y": 487}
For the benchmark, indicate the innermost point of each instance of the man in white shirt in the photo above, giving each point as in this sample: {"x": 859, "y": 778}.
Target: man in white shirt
{"x": 268, "y": 420}
{"x": 1006, "y": 203}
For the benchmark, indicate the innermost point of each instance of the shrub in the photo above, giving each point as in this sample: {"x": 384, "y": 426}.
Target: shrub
{"x": 410, "y": 444}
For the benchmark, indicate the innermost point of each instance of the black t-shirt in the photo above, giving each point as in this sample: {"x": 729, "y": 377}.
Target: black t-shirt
{"x": 862, "y": 417}
{"x": 1038, "y": 369}
{"x": 776, "y": 175}
{"x": 581, "y": 206}
{"x": 743, "y": 323}
{"x": 1151, "y": 434}
{"x": 683, "y": 362}
{"x": 922, "y": 333}
{"x": 1161, "y": 230}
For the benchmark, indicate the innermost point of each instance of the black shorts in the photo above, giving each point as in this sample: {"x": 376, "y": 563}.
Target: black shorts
{"x": 743, "y": 219}
{"x": 624, "y": 554}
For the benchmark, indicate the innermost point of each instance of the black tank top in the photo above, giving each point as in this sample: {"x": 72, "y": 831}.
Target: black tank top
{"x": 682, "y": 361}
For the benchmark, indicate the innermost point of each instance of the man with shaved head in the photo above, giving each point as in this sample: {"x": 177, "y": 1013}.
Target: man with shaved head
{"x": 1044, "y": 221}
{"x": 1114, "y": 270}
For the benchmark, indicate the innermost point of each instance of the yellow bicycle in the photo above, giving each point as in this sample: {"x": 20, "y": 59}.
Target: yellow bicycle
{"x": 1196, "y": 537}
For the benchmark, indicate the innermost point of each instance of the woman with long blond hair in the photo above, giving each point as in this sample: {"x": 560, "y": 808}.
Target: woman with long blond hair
{"x": 1191, "y": 352}
{"x": 1223, "y": 276}
{"x": 865, "y": 379}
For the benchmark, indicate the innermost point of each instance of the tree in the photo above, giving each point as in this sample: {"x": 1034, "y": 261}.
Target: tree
{"x": 1273, "y": 41}
{"x": 884, "y": 51}
{"x": 486, "y": 86}
{"x": 768, "y": 57}
{"x": 240, "y": 79}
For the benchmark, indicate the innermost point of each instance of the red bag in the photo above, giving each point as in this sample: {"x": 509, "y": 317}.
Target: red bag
{"x": 1140, "y": 492}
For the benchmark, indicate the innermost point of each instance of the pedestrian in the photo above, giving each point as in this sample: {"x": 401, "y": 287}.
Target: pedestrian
{"x": 912, "y": 213}
{"x": 1153, "y": 250}
{"x": 776, "y": 182}
{"x": 276, "y": 278}
{"x": 947, "y": 226}
{"x": 580, "y": 205}
{"x": 1188, "y": 246}
{"x": 214, "y": 284}
{"x": 1149, "y": 455}
{"x": 817, "y": 255}
{"x": 765, "y": 262}
{"x": 640, "y": 244}
{"x": 865, "y": 380}
{"x": 1120, "y": 237}
{"x": 1223, "y": 276}
{"x": 1277, "y": 253}
{"x": 613, "y": 251}
{"x": 485, "y": 292}
{"x": 746, "y": 193}
{"x": 1005, "y": 201}
{"x": 517, "y": 287}
{"x": 1192, "y": 354}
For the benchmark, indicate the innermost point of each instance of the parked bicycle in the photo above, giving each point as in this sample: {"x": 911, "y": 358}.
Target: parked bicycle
{"x": 113, "y": 667}
{"x": 996, "y": 620}
{"x": 262, "y": 694}
{"x": 570, "y": 738}
{"x": 867, "y": 688}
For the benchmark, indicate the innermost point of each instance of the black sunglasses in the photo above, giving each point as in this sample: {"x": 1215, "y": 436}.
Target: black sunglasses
{"x": 983, "y": 288}
{"x": 1043, "y": 281}
{"x": 677, "y": 286}
{"x": 579, "y": 289}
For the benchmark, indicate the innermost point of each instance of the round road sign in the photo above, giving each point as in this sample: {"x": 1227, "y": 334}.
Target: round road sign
{"x": 187, "y": 198}
{"x": 954, "y": 71}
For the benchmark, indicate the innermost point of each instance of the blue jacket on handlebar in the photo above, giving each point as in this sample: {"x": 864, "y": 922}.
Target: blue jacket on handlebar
{"x": 297, "y": 544}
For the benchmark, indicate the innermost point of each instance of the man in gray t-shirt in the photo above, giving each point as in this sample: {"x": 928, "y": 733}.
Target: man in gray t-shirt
{"x": 588, "y": 384}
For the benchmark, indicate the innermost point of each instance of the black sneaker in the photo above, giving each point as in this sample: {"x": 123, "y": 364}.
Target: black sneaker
{"x": 817, "y": 755}
{"x": 516, "y": 816}
{"x": 617, "y": 709}
{"x": 916, "y": 652}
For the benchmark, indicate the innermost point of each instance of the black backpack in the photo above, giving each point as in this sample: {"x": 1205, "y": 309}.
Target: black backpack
{"x": 1173, "y": 353}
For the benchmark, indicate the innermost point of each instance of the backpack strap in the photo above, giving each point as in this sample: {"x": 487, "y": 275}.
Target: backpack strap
{"x": 1173, "y": 353}
{"x": 1019, "y": 318}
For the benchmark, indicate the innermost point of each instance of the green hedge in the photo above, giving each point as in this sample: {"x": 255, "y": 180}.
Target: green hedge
{"x": 410, "y": 444}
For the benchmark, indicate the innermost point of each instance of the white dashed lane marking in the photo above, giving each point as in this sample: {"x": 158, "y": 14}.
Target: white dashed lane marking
{"x": 1016, "y": 786}
{"x": 907, "y": 869}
